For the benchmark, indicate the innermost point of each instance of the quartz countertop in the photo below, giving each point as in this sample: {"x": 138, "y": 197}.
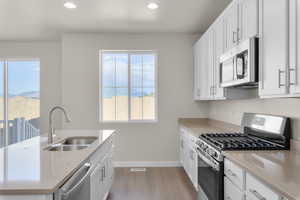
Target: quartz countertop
{"x": 198, "y": 126}
{"x": 278, "y": 169}
{"x": 26, "y": 168}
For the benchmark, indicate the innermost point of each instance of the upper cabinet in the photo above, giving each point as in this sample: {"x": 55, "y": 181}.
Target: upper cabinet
{"x": 240, "y": 22}
{"x": 293, "y": 70}
{"x": 230, "y": 20}
{"x": 248, "y": 19}
{"x": 273, "y": 47}
{"x": 276, "y": 24}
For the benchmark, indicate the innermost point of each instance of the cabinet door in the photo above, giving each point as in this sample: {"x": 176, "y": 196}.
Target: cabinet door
{"x": 211, "y": 62}
{"x": 293, "y": 71}
{"x": 193, "y": 166}
{"x": 95, "y": 181}
{"x": 248, "y": 19}
{"x": 197, "y": 66}
{"x": 230, "y": 21}
{"x": 273, "y": 22}
{"x": 204, "y": 83}
{"x": 219, "y": 50}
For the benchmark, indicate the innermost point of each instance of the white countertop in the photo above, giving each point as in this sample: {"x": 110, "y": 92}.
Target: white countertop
{"x": 26, "y": 168}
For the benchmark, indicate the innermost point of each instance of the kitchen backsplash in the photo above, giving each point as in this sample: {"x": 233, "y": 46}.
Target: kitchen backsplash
{"x": 232, "y": 110}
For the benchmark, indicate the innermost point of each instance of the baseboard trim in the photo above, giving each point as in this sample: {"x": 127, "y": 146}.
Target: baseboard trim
{"x": 147, "y": 164}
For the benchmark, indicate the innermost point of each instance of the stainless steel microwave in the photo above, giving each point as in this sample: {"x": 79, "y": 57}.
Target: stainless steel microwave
{"x": 239, "y": 66}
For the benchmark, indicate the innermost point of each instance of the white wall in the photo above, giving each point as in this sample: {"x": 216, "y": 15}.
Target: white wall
{"x": 135, "y": 142}
{"x": 231, "y": 111}
{"x": 49, "y": 54}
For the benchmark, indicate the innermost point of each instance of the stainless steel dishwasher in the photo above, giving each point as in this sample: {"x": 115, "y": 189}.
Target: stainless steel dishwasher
{"x": 77, "y": 187}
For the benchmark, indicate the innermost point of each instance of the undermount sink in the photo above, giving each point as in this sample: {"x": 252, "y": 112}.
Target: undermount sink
{"x": 79, "y": 140}
{"x": 66, "y": 147}
{"x": 72, "y": 144}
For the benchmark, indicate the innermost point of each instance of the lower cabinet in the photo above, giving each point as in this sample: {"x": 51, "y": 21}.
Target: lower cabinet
{"x": 242, "y": 185}
{"x": 188, "y": 156}
{"x": 102, "y": 177}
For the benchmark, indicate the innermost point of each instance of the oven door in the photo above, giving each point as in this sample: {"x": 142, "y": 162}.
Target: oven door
{"x": 210, "y": 178}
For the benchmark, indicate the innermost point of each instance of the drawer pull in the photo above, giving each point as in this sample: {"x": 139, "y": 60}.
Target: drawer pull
{"x": 257, "y": 194}
{"x": 231, "y": 173}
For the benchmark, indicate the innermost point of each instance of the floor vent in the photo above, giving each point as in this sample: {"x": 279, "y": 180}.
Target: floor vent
{"x": 138, "y": 169}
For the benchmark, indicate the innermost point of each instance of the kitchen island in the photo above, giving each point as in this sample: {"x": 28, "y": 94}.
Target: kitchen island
{"x": 28, "y": 170}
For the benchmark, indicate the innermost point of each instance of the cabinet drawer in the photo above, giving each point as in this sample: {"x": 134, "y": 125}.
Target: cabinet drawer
{"x": 231, "y": 191}
{"x": 235, "y": 173}
{"x": 256, "y": 190}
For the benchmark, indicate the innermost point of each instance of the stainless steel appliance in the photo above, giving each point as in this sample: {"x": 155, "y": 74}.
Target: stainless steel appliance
{"x": 239, "y": 66}
{"x": 260, "y": 132}
{"x": 77, "y": 187}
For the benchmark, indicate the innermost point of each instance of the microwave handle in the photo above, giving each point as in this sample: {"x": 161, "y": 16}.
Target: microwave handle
{"x": 234, "y": 71}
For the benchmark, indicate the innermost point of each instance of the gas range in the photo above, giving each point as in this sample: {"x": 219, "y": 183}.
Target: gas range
{"x": 261, "y": 132}
{"x": 214, "y": 143}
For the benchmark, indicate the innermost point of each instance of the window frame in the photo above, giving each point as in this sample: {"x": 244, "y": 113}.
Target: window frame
{"x": 5, "y": 61}
{"x": 100, "y": 91}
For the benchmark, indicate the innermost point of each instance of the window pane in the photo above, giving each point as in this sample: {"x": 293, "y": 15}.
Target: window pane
{"x": 23, "y": 100}
{"x": 148, "y": 104}
{"x": 122, "y": 104}
{"x": 109, "y": 104}
{"x": 148, "y": 71}
{"x": 136, "y": 71}
{"x": 136, "y": 104}
{"x": 2, "y": 142}
{"x": 108, "y": 70}
{"x": 121, "y": 70}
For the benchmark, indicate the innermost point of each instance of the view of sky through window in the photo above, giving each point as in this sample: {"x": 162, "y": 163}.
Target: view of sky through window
{"x": 128, "y": 81}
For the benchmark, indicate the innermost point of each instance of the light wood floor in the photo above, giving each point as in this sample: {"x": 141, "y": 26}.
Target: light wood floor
{"x": 154, "y": 184}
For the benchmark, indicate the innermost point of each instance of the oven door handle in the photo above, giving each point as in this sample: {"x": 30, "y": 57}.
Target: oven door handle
{"x": 214, "y": 164}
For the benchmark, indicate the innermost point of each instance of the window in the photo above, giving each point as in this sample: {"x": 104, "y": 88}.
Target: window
{"x": 19, "y": 100}
{"x": 128, "y": 86}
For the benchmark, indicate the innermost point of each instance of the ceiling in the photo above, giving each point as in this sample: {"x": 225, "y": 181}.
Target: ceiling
{"x": 48, "y": 19}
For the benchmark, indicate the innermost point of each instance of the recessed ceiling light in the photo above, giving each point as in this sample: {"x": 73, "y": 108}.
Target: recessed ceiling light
{"x": 152, "y": 5}
{"x": 70, "y": 5}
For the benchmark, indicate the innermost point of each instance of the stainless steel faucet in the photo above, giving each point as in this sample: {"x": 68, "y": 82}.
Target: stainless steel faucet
{"x": 51, "y": 129}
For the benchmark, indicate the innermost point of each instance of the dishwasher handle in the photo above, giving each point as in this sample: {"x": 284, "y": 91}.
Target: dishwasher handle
{"x": 73, "y": 184}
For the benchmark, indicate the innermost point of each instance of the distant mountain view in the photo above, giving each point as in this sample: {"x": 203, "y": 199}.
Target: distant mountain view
{"x": 31, "y": 95}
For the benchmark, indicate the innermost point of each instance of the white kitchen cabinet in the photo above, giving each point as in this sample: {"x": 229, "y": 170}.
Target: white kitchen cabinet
{"x": 197, "y": 65}
{"x": 230, "y": 20}
{"x": 257, "y": 190}
{"x": 248, "y": 19}
{"x": 231, "y": 192}
{"x": 273, "y": 47}
{"x": 96, "y": 183}
{"x": 103, "y": 173}
{"x": 219, "y": 50}
{"x": 188, "y": 156}
{"x": 239, "y": 184}
{"x": 294, "y": 44}
{"x": 210, "y": 78}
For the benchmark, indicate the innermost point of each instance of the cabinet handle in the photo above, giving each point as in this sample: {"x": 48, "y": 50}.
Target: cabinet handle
{"x": 238, "y": 34}
{"x": 279, "y": 78}
{"x": 192, "y": 155}
{"x": 102, "y": 174}
{"x": 233, "y": 37}
{"x": 182, "y": 145}
{"x": 257, "y": 194}
{"x": 293, "y": 70}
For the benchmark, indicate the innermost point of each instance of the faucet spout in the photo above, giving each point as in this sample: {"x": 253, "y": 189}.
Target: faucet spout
{"x": 51, "y": 129}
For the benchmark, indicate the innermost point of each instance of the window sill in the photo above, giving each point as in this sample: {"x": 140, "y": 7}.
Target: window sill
{"x": 130, "y": 122}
